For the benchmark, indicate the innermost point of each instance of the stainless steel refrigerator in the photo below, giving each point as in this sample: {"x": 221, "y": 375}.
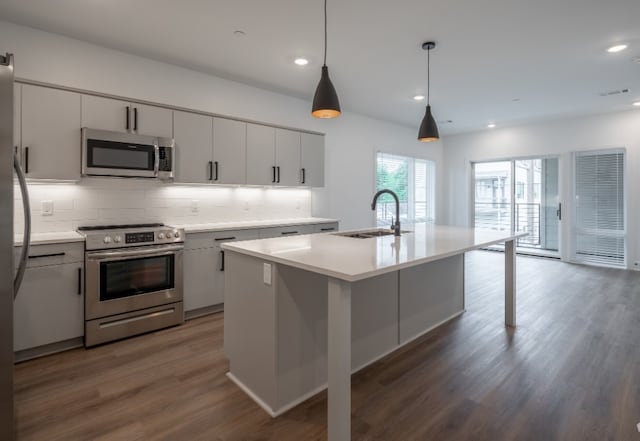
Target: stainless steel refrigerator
{"x": 10, "y": 276}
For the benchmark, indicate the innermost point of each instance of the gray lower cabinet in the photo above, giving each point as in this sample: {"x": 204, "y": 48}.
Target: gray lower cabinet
{"x": 291, "y": 230}
{"x": 50, "y": 133}
{"x": 49, "y": 307}
{"x": 204, "y": 267}
{"x": 325, "y": 228}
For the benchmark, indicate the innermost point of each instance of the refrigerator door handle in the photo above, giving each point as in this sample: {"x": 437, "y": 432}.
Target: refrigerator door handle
{"x": 26, "y": 240}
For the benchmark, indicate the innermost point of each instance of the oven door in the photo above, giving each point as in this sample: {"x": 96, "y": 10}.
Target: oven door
{"x": 107, "y": 153}
{"x": 131, "y": 279}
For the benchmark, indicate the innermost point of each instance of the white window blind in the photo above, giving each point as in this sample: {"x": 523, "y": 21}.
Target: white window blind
{"x": 599, "y": 230}
{"x": 413, "y": 180}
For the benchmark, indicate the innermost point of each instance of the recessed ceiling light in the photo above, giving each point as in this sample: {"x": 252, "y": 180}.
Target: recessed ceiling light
{"x": 617, "y": 48}
{"x": 418, "y": 97}
{"x": 301, "y": 61}
{"x": 491, "y": 126}
{"x": 637, "y": 104}
{"x": 239, "y": 33}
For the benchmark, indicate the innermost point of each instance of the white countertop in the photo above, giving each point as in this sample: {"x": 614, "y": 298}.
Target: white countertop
{"x": 47, "y": 238}
{"x": 244, "y": 225}
{"x": 354, "y": 259}
{"x": 72, "y": 236}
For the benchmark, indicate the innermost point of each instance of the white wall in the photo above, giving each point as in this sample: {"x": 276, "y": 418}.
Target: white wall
{"x": 351, "y": 140}
{"x": 560, "y": 137}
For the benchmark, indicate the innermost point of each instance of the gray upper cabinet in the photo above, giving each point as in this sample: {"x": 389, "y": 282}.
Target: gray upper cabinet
{"x": 50, "y": 134}
{"x": 312, "y": 160}
{"x": 229, "y": 151}
{"x": 194, "y": 141}
{"x": 153, "y": 121}
{"x": 287, "y": 157}
{"x": 105, "y": 114}
{"x": 261, "y": 154}
{"x": 122, "y": 116}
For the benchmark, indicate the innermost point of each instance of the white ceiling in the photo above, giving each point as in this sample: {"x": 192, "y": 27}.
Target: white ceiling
{"x": 549, "y": 54}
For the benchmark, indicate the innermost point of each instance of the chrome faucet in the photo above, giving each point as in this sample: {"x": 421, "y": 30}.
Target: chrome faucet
{"x": 395, "y": 226}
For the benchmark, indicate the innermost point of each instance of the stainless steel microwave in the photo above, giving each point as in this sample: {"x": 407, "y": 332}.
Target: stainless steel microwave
{"x": 129, "y": 155}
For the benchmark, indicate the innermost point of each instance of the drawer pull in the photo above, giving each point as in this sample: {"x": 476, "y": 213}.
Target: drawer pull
{"x": 79, "y": 281}
{"x": 221, "y": 260}
{"x": 327, "y": 229}
{"x": 284, "y": 233}
{"x": 40, "y": 256}
{"x": 219, "y": 239}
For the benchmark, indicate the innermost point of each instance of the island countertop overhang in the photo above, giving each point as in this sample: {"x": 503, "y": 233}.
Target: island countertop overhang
{"x": 353, "y": 259}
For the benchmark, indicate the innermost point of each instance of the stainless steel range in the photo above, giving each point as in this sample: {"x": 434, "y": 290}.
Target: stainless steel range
{"x": 133, "y": 280}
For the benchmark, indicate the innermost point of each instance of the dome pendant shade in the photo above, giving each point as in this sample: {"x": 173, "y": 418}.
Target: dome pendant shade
{"x": 428, "y": 129}
{"x": 325, "y": 101}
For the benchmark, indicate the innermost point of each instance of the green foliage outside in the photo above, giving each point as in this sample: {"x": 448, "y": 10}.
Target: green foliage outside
{"x": 395, "y": 180}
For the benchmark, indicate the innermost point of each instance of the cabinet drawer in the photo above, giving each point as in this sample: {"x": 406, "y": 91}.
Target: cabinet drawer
{"x": 286, "y": 231}
{"x": 326, "y": 228}
{"x": 196, "y": 241}
{"x": 52, "y": 254}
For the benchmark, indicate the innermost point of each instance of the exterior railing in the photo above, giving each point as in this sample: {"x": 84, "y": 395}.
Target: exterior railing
{"x": 497, "y": 216}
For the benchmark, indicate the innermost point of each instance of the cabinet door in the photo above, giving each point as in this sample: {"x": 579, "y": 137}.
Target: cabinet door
{"x": 152, "y": 121}
{"x": 193, "y": 147}
{"x": 105, "y": 113}
{"x": 229, "y": 151}
{"x": 17, "y": 102}
{"x": 199, "y": 278}
{"x": 288, "y": 157}
{"x": 48, "y": 308}
{"x": 50, "y": 133}
{"x": 312, "y": 160}
{"x": 219, "y": 238}
{"x": 260, "y": 154}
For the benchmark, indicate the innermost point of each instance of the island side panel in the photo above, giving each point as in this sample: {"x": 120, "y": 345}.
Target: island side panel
{"x": 302, "y": 328}
{"x": 249, "y": 326}
{"x": 429, "y": 295}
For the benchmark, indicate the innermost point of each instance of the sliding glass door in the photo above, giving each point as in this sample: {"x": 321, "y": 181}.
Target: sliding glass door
{"x": 520, "y": 195}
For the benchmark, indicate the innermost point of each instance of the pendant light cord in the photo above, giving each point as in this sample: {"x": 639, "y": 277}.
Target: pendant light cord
{"x": 325, "y": 33}
{"x": 428, "y": 75}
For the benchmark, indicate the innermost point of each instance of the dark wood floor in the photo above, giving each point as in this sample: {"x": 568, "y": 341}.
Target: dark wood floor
{"x": 570, "y": 371}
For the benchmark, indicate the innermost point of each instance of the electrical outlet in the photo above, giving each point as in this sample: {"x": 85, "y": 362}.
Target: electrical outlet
{"x": 266, "y": 273}
{"x": 195, "y": 205}
{"x": 298, "y": 204}
{"x": 47, "y": 208}
{"x": 246, "y": 205}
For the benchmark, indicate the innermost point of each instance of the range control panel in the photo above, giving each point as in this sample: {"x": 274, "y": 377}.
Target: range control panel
{"x": 139, "y": 237}
{"x": 122, "y": 238}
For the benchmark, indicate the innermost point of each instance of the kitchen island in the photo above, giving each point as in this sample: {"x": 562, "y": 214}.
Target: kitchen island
{"x": 302, "y": 313}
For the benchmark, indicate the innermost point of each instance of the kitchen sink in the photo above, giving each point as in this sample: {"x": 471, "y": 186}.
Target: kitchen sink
{"x": 368, "y": 234}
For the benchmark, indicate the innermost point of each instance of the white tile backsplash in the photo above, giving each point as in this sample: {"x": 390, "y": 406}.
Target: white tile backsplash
{"x": 98, "y": 201}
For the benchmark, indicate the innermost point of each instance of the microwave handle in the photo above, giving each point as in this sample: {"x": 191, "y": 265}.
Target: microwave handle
{"x": 156, "y": 164}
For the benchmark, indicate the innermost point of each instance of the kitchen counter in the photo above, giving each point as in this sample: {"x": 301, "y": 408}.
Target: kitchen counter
{"x": 244, "y": 225}
{"x": 323, "y": 306}
{"x": 73, "y": 236}
{"x": 352, "y": 259}
{"x": 49, "y": 238}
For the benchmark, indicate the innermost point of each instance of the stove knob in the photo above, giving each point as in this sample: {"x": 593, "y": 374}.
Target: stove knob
{"x": 176, "y": 234}
{"x": 160, "y": 235}
{"x": 107, "y": 239}
{"x": 117, "y": 239}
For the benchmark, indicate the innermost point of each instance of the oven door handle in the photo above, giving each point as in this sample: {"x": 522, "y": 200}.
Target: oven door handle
{"x": 159, "y": 251}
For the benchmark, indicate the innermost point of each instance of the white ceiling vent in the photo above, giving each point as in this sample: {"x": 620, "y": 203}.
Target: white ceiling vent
{"x": 615, "y": 92}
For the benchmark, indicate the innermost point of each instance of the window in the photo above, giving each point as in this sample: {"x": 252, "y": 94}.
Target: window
{"x": 599, "y": 230}
{"x": 413, "y": 180}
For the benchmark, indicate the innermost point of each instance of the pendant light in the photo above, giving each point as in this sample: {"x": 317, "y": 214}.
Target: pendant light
{"x": 428, "y": 129}
{"x": 325, "y": 101}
